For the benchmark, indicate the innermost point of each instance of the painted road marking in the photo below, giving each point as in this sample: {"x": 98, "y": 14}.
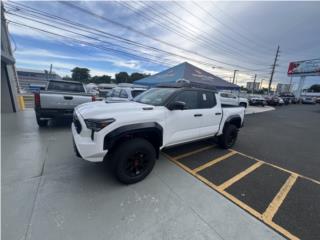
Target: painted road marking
{"x": 193, "y": 152}
{"x": 236, "y": 178}
{"x": 214, "y": 161}
{"x": 220, "y": 189}
{"x": 275, "y": 166}
{"x": 279, "y": 198}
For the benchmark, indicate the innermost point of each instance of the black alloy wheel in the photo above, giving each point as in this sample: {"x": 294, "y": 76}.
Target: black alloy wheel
{"x": 133, "y": 160}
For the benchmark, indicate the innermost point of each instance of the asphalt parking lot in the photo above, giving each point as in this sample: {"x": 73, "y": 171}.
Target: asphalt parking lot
{"x": 256, "y": 190}
{"x": 273, "y": 171}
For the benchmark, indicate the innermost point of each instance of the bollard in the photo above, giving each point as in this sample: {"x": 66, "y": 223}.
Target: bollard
{"x": 21, "y": 103}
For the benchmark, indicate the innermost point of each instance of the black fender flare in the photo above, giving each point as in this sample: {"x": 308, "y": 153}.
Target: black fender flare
{"x": 140, "y": 128}
{"x": 235, "y": 117}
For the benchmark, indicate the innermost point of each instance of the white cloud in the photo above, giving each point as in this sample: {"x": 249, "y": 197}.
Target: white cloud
{"x": 250, "y": 15}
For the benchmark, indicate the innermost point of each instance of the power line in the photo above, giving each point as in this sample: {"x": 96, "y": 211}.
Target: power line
{"x": 226, "y": 47}
{"x": 211, "y": 26}
{"x": 234, "y": 30}
{"x": 83, "y": 35}
{"x": 212, "y": 44}
{"x": 148, "y": 36}
{"x": 77, "y": 40}
{"x": 69, "y": 22}
{"x": 237, "y": 23}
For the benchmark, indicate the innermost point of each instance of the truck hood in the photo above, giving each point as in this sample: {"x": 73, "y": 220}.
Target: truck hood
{"x": 101, "y": 109}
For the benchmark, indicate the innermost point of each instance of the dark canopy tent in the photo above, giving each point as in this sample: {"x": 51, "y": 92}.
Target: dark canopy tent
{"x": 189, "y": 73}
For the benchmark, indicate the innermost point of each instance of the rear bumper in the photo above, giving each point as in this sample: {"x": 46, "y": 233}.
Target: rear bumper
{"x": 87, "y": 149}
{"x": 54, "y": 113}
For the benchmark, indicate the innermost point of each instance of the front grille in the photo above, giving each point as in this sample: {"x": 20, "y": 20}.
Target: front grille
{"x": 77, "y": 123}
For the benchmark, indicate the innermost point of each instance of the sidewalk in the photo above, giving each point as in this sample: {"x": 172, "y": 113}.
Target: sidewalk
{"x": 258, "y": 109}
{"x": 47, "y": 191}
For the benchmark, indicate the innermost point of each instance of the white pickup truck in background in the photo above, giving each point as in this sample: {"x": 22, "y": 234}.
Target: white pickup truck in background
{"x": 59, "y": 100}
{"x": 231, "y": 99}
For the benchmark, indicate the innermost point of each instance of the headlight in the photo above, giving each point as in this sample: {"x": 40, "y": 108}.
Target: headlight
{"x": 98, "y": 124}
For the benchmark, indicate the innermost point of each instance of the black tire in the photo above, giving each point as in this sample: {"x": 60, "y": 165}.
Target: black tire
{"x": 229, "y": 136}
{"x": 42, "y": 123}
{"x": 242, "y": 104}
{"x": 133, "y": 160}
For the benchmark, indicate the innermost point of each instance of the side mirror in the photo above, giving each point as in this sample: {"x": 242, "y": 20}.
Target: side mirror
{"x": 177, "y": 105}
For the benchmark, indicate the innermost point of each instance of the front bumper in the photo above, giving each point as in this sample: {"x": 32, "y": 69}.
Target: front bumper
{"x": 86, "y": 148}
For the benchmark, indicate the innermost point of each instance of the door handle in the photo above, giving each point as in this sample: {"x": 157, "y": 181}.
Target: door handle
{"x": 198, "y": 115}
{"x": 218, "y": 113}
{"x": 68, "y": 97}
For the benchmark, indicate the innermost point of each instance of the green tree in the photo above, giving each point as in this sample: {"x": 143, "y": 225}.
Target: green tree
{"x": 101, "y": 79}
{"x": 314, "y": 88}
{"x": 122, "y": 77}
{"x": 136, "y": 76}
{"x": 66, "y": 77}
{"x": 80, "y": 74}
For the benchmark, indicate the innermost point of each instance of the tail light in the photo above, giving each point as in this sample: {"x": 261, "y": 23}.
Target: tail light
{"x": 93, "y": 98}
{"x": 37, "y": 99}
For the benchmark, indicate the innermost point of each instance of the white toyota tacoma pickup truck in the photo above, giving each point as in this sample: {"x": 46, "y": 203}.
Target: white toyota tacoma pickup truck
{"x": 131, "y": 134}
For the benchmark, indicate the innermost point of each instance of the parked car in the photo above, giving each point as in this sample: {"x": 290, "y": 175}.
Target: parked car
{"x": 59, "y": 100}
{"x": 130, "y": 135}
{"x": 105, "y": 89}
{"x": 124, "y": 94}
{"x": 274, "y": 100}
{"x": 281, "y": 101}
{"x": 231, "y": 99}
{"x": 308, "y": 100}
{"x": 257, "y": 101}
{"x": 289, "y": 98}
{"x": 317, "y": 99}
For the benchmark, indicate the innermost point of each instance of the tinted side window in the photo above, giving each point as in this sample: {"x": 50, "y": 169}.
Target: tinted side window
{"x": 65, "y": 86}
{"x": 224, "y": 95}
{"x": 190, "y": 98}
{"x": 115, "y": 93}
{"x": 135, "y": 93}
{"x": 123, "y": 94}
{"x": 207, "y": 99}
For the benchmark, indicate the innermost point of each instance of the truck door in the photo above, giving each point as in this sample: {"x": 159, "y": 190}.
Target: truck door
{"x": 211, "y": 114}
{"x": 183, "y": 125}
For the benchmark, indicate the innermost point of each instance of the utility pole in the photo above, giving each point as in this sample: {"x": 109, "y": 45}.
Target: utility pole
{"x": 290, "y": 86}
{"x": 273, "y": 68}
{"x": 261, "y": 84}
{"x": 50, "y": 72}
{"x": 234, "y": 75}
{"x": 254, "y": 83}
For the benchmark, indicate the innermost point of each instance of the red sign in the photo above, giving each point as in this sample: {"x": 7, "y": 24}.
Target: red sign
{"x": 304, "y": 68}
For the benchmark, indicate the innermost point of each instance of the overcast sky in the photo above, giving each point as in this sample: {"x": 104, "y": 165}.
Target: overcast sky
{"x": 216, "y": 36}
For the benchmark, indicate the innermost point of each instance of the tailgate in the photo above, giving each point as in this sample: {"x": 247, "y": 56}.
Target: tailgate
{"x": 62, "y": 100}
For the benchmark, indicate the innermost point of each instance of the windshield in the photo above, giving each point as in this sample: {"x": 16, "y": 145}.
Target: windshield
{"x": 155, "y": 96}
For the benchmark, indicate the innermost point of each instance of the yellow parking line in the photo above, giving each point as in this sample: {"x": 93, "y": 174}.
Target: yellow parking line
{"x": 234, "y": 199}
{"x": 247, "y": 208}
{"x": 275, "y": 166}
{"x": 236, "y": 178}
{"x": 193, "y": 152}
{"x": 214, "y": 161}
{"x": 178, "y": 163}
{"x": 279, "y": 198}
{"x": 281, "y": 230}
